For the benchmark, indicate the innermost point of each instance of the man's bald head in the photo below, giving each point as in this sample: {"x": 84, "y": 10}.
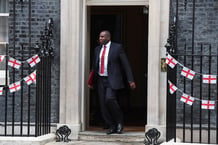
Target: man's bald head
{"x": 104, "y": 37}
{"x": 107, "y": 33}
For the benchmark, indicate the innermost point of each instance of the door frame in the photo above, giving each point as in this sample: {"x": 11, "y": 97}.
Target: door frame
{"x": 74, "y": 75}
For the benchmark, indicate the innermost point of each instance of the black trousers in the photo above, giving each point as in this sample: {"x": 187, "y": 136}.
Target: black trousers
{"x": 109, "y": 106}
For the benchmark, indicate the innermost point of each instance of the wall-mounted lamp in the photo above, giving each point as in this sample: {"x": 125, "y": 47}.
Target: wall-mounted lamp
{"x": 145, "y": 10}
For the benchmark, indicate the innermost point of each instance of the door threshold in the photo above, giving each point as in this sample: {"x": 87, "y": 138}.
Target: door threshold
{"x": 102, "y": 133}
{"x": 126, "y": 129}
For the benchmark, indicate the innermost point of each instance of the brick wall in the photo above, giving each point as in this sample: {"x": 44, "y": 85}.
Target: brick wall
{"x": 27, "y": 33}
{"x": 205, "y": 33}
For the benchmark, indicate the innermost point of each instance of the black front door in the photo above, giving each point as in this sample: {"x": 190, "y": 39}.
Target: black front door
{"x": 128, "y": 26}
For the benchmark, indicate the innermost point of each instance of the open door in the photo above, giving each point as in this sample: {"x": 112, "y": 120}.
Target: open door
{"x": 128, "y": 26}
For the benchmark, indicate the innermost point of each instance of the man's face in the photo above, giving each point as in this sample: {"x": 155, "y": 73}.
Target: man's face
{"x": 104, "y": 38}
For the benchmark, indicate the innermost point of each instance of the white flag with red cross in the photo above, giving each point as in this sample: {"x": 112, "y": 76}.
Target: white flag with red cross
{"x": 206, "y": 104}
{"x": 30, "y": 78}
{"x": 14, "y": 87}
{"x": 172, "y": 87}
{"x": 2, "y": 57}
{"x": 171, "y": 61}
{"x": 188, "y": 73}
{"x": 14, "y": 63}
{"x": 187, "y": 99}
{"x": 33, "y": 60}
{"x": 209, "y": 79}
{"x": 1, "y": 90}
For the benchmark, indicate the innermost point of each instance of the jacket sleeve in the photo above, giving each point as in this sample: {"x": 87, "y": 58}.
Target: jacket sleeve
{"x": 126, "y": 66}
{"x": 92, "y": 75}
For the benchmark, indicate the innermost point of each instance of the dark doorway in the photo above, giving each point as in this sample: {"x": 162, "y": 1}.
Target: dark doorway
{"x": 128, "y": 26}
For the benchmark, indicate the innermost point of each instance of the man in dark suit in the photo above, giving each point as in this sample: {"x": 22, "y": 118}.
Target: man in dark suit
{"x": 109, "y": 64}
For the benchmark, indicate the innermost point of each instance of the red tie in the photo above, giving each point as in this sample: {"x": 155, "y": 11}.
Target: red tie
{"x": 102, "y": 60}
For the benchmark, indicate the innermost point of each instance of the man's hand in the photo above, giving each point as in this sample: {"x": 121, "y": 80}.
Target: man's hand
{"x": 132, "y": 85}
{"x": 90, "y": 87}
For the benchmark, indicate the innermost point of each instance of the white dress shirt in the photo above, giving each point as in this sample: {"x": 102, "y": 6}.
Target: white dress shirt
{"x": 105, "y": 59}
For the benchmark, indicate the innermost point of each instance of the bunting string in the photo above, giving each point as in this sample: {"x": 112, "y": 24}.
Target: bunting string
{"x": 17, "y": 85}
{"x": 1, "y": 90}
{"x": 14, "y": 63}
{"x": 190, "y": 74}
{"x": 188, "y": 99}
{"x": 17, "y": 63}
{"x": 2, "y": 57}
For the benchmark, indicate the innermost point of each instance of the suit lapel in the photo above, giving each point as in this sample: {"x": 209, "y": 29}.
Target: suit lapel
{"x": 97, "y": 54}
{"x": 110, "y": 51}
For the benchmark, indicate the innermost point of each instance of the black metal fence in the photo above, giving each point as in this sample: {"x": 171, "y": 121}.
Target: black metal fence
{"x": 191, "y": 123}
{"x": 26, "y": 112}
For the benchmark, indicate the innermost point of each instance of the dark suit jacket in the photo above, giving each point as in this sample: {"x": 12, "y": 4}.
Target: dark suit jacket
{"x": 117, "y": 65}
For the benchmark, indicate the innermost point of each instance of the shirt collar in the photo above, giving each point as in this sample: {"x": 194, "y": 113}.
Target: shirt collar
{"x": 108, "y": 44}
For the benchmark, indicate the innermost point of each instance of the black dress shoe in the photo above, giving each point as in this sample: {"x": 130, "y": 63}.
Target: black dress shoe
{"x": 119, "y": 128}
{"x": 106, "y": 127}
{"x": 111, "y": 130}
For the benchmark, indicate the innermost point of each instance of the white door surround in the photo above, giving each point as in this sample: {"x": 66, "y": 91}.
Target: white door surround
{"x": 74, "y": 63}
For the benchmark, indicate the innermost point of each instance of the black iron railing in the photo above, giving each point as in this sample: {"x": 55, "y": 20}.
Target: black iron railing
{"x": 43, "y": 90}
{"x": 27, "y": 112}
{"x": 187, "y": 121}
{"x": 191, "y": 123}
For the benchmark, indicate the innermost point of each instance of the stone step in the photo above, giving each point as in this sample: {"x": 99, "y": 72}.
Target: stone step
{"x": 92, "y": 143}
{"x": 125, "y": 137}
